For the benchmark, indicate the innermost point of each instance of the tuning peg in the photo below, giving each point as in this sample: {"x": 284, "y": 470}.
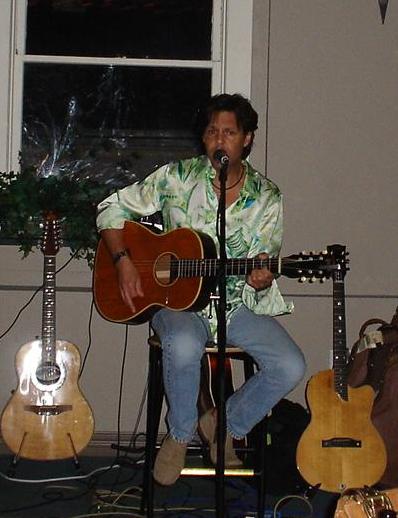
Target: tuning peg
{"x": 303, "y": 252}
{"x": 312, "y": 279}
{"x": 302, "y": 279}
{"x": 322, "y": 279}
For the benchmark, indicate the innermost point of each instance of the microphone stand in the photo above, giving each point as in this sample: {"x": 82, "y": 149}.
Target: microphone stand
{"x": 221, "y": 344}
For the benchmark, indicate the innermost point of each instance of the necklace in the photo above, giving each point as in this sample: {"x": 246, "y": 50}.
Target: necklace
{"x": 242, "y": 172}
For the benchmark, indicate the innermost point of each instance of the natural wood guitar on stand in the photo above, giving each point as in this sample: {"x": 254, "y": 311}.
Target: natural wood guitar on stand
{"x": 47, "y": 417}
{"x": 340, "y": 448}
{"x": 179, "y": 270}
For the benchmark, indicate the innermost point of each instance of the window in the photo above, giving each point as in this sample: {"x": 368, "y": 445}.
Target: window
{"x": 115, "y": 122}
{"x": 157, "y": 29}
{"x": 115, "y": 83}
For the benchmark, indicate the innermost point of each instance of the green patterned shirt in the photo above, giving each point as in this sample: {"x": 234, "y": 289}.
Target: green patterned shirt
{"x": 182, "y": 191}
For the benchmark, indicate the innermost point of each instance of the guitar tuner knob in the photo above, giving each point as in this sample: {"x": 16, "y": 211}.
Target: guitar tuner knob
{"x": 312, "y": 279}
{"x": 302, "y": 279}
{"x": 322, "y": 279}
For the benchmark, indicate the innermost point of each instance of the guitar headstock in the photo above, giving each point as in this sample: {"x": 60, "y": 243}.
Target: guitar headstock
{"x": 338, "y": 256}
{"x": 50, "y": 241}
{"x": 307, "y": 266}
{"x": 312, "y": 266}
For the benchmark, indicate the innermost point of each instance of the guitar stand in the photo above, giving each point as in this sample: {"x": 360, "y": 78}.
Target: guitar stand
{"x": 12, "y": 468}
{"x": 15, "y": 459}
{"x": 311, "y": 491}
{"x": 75, "y": 456}
{"x": 11, "y": 471}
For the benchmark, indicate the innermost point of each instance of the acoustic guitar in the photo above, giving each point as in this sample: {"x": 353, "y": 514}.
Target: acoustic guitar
{"x": 179, "y": 269}
{"x": 47, "y": 417}
{"x": 340, "y": 448}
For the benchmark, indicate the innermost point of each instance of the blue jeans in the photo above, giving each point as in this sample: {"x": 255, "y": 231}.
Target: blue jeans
{"x": 280, "y": 362}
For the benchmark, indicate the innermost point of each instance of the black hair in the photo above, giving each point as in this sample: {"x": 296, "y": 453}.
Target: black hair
{"x": 246, "y": 116}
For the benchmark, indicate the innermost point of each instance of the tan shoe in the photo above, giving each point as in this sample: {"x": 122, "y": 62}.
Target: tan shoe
{"x": 207, "y": 428}
{"x": 169, "y": 462}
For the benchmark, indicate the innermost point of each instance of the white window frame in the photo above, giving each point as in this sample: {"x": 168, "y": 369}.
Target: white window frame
{"x": 230, "y": 63}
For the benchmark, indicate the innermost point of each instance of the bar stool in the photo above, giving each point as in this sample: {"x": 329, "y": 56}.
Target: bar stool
{"x": 256, "y": 440}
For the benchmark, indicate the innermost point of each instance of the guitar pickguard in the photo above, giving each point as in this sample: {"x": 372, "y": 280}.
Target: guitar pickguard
{"x": 29, "y": 365}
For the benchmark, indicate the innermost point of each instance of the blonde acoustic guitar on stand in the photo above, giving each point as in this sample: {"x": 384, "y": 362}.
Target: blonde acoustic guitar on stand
{"x": 47, "y": 417}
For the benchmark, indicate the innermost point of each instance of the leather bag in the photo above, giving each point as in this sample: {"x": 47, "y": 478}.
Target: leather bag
{"x": 374, "y": 361}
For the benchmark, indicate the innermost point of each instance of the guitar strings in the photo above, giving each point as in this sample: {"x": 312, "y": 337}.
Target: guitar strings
{"x": 271, "y": 260}
{"x": 208, "y": 267}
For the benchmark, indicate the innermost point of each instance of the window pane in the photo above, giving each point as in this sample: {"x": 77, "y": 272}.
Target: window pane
{"x": 114, "y": 123}
{"x": 163, "y": 29}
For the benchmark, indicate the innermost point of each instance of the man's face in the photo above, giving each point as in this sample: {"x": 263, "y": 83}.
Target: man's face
{"x": 223, "y": 132}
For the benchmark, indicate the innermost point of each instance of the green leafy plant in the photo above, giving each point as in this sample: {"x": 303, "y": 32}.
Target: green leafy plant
{"x": 25, "y": 198}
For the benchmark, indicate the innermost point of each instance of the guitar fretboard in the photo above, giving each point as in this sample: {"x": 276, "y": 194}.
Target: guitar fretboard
{"x": 48, "y": 311}
{"x": 339, "y": 336}
{"x": 210, "y": 267}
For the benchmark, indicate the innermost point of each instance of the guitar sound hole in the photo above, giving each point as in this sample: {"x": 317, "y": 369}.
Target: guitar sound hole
{"x": 48, "y": 373}
{"x": 165, "y": 269}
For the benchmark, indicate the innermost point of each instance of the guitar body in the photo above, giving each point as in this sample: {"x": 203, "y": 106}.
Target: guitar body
{"x": 47, "y": 421}
{"x": 355, "y": 455}
{"x": 152, "y": 254}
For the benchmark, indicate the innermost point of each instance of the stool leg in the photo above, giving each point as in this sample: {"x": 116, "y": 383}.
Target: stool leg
{"x": 154, "y": 408}
{"x": 257, "y": 442}
{"x": 262, "y": 439}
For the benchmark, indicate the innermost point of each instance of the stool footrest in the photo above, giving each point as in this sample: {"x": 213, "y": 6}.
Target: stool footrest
{"x": 228, "y": 472}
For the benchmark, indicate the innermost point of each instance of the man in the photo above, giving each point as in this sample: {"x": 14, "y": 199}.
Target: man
{"x": 186, "y": 192}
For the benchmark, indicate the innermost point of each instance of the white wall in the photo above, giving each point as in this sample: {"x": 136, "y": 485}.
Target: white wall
{"x": 333, "y": 150}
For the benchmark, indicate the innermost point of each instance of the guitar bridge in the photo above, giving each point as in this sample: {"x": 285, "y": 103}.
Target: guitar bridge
{"x": 341, "y": 442}
{"x": 48, "y": 410}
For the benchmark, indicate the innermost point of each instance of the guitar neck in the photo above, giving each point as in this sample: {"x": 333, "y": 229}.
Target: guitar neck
{"x": 48, "y": 310}
{"x": 339, "y": 337}
{"x": 210, "y": 267}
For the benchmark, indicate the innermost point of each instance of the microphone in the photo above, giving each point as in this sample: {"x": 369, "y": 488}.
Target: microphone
{"x": 221, "y": 156}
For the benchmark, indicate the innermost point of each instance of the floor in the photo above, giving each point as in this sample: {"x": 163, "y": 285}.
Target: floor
{"x": 111, "y": 486}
